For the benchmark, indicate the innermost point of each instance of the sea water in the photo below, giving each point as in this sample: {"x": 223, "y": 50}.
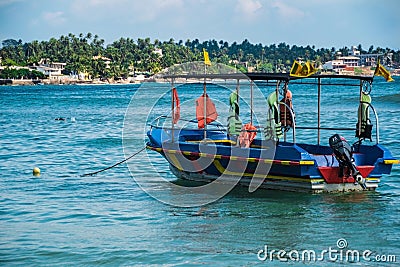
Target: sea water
{"x": 62, "y": 218}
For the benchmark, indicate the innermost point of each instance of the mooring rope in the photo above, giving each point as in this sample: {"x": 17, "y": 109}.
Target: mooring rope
{"x": 116, "y": 164}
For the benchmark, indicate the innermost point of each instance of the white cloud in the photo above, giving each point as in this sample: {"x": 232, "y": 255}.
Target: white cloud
{"x": 153, "y": 8}
{"x": 248, "y": 8}
{"x": 8, "y": 2}
{"x": 132, "y": 10}
{"x": 54, "y": 18}
{"x": 106, "y": 3}
{"x": 286, "y": 11}
{"x": 101, "y": 2}
{"x": 103, "y": 7}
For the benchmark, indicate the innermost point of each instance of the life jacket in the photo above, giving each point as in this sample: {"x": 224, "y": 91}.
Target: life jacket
{"x": 176, "y": 115}
{"x": 285, "y": 114}
{"x": 273, "y": 129}
{"x": 247, "y": 135}
{"x": 363, "y": 117}
{"x": 234, "y": 122}
{"x": 211, "y": 111}
{"x": 234, "y": 103}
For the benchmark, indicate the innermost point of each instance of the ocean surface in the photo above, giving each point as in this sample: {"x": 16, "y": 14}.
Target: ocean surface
{"x": 64, "y": 219}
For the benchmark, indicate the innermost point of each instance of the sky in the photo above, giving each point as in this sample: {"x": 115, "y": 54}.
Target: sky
{"x": 323, "y": 23}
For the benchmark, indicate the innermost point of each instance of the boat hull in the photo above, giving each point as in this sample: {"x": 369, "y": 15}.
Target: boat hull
{"x": 302, "y": 173}
{"x": 281, "y": 183}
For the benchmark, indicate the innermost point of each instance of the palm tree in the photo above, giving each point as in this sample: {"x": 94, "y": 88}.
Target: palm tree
{"x": 88, "y": 36}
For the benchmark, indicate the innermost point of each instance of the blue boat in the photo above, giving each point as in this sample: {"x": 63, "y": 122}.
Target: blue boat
{"x": 206, "y": 151}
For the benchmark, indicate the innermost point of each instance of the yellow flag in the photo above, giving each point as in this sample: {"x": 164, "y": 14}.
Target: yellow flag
{"x": 296, "y": 69}
{"x": 305, "y": 70}
{"x": 206, "y": 58}
{"x": 311, "y": 68}
{"x": 381, "y": 71}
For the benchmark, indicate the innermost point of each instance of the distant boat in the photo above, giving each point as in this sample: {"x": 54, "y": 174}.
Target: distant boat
{"x": 271, "y": 162}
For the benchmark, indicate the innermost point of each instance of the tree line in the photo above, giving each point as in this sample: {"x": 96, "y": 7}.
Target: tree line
{"x": 83, "y": 53}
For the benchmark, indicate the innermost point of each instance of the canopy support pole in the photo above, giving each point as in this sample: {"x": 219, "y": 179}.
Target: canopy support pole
{"x": 172, "y": 110}
{"x": 319, "y": 110}
{"x": 251, "y": 101}
{"x": 205, "y": 108}
{"x": 284, "y": 111}
{"x": 359, "y": 108}
{"x": 237, "y": 90}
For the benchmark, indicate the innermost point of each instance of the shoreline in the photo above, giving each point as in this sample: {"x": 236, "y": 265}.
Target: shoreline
{"x": 22, "y": 82}
{"x": 30, "y": 82}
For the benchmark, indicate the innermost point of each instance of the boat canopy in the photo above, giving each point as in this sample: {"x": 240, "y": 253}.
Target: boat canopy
{"x": 275, "y": 123}
{"x": 254, "y": 76}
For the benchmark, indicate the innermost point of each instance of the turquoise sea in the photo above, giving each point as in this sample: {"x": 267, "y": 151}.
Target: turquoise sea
{"x": 64, "y": 219}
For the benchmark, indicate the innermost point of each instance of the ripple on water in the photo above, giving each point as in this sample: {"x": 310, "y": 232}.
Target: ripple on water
{"x": 61, "y": 218}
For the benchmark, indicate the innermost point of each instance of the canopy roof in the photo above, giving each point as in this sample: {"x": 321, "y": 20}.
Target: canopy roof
{"x": 263, "y": 76}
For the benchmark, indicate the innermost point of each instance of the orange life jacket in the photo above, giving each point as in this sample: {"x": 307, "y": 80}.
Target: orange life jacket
{"x": 247, "y": 135}
{"x": 211, "y": 111}
{"x": 285, "y": 115}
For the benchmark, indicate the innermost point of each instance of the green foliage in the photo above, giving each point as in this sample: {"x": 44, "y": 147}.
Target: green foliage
{"x": 8, "y": 73}
{"x": 358, "y": 71}
{"x": 265, "y": 67}
{"x": 10, "y": 42}
{"x": 9, "y": 62}
{"x": 87, "y": 53}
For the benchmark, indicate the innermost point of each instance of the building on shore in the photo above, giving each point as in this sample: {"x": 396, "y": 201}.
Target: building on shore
{"x": 341, "y": 63}
{"x": 355, "y": 59}
{"x": 106, "y": 60}
{"x": 49, "y": 68}
{"x": 335, "y": 65}
{"x": 158, "y": 51}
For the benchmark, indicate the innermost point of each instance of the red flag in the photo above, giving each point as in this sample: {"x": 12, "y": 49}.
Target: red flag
{"x": 176, "y": 115}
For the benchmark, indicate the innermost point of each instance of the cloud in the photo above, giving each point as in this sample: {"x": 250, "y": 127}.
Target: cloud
{"x": 153, "y": 8}
{"x": 8, "y": 2}
{"x": 54, "y": 18}
{"x": 248, "y": 8}
{"x": 101, "y": 2}
{"x": 131, "y": 10}
{"x": 286, "y": 11}
{"x": 106, "y": 3}
{"x": 100, "y": 7}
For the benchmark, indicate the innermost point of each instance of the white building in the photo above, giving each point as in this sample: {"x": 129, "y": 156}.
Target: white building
{"x": 49, "y": 68}
{"x": 158, "y": 51}
{"x": 343, "y": 62}
{"x": 335, "y": 65}
{"x": 354, "y": 52}
{"x": 106, "y": 60}
{"x": 349, "y": 61}
{"x": 369, "y": 60}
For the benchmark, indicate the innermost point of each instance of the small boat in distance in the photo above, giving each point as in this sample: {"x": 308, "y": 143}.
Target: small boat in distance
{"x": 207, "y": 151}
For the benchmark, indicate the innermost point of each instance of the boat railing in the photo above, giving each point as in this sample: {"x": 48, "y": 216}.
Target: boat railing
{"x": 156, "y": 121}
{"x": 377, "y": 138}
{"x": 160, "y": 122}
{"x": 376, "y": 121}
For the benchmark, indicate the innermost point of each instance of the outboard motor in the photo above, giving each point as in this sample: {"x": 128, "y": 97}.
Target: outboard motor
{"x": 344, "y": 154}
